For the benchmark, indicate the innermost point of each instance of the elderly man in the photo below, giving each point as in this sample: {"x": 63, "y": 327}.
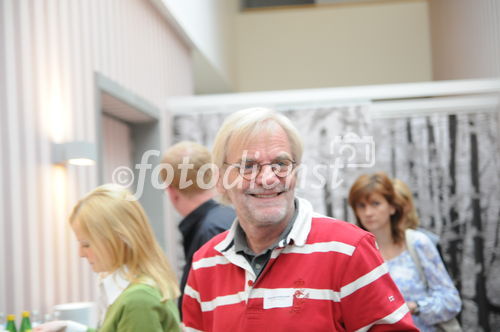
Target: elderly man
{"x": 281, "y": 267}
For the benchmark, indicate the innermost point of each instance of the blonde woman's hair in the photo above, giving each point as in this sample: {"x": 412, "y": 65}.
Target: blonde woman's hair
{"x": 187, "y": 153}
{"x": 242, "y": 126}
{"x": 121, "y": 236}
{"x": 410, "y": 211}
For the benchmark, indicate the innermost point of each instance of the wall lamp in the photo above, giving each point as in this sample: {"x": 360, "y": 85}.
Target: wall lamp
{"x": 74, "y": 153}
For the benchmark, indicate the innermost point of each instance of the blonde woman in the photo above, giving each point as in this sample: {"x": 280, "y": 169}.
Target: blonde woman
{"x": 137, "y": 285}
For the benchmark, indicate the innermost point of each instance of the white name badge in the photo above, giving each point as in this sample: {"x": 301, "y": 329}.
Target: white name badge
{"x": 278, "y": 298}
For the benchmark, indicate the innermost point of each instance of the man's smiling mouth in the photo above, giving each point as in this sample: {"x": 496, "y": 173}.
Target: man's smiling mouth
{"x": 266, "y": 195}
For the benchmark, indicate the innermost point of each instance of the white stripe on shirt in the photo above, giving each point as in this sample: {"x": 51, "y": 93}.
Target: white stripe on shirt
{"x": 310, "y": 293}
{"x": 333, "y": 246}
{"x": 210, "y": 262}
{"x": 364, "y": 280}
{"x": 392, "y": 318}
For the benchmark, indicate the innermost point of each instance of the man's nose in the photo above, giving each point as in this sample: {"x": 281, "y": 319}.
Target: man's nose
{"x": 267, "y": 177}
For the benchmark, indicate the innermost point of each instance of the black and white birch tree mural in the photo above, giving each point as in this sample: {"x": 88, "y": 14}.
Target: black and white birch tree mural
{"x": 451, "y": 161}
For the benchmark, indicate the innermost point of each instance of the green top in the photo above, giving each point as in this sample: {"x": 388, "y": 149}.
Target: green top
{"x": 138, "y": 308}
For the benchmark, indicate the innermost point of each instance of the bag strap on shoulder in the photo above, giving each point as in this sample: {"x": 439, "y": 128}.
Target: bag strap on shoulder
{"x": 410, "y": 240}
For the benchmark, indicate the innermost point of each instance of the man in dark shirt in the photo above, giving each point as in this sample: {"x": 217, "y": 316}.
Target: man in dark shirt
{"x": 188, "y": 176}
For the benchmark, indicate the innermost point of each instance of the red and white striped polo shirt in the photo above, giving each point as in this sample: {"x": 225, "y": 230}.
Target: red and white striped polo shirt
{"x": 329, "y": 277}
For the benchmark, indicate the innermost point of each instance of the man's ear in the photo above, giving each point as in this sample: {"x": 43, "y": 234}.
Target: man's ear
{"x": 219, "y": 185}
{"x": 217, "y": 176}
{"x": 173, "y": 193}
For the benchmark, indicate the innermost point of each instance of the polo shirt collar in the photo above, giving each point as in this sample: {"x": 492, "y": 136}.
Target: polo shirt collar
{"x": 298, "y": 234}
{"x": 241, "y": 244}
{"x": 302, "y": 226}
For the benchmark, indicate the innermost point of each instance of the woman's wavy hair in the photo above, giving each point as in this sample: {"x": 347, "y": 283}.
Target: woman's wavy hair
{"x": 411, "y": 217}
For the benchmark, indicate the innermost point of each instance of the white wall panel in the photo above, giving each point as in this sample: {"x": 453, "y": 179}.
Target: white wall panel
{"x": 117, "y": 146}
{"x": 465, "y": 38}
{"x": 14, "y": 210}
{"x": 50, "y": 51}
{"x": 209, "y": 26}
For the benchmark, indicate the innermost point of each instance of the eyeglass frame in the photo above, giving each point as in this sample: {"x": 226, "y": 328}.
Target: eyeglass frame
{"x": 256, "y": 171}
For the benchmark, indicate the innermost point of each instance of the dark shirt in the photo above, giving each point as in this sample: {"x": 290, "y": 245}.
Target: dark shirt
{"x": 202, "y": 224}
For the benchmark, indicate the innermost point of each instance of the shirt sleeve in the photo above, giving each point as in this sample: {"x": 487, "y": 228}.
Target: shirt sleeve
{"x": 147, "y": 314}
{"x": 442, "y": 301}
{"x": 369, "y": 298}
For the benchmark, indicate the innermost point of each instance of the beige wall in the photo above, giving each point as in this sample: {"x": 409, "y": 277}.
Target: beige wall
{"x": 49, "y": 54}
{"x": 336, "y": 45}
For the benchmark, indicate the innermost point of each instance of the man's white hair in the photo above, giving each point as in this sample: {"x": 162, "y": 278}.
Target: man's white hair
{"x": 242, "y": 126}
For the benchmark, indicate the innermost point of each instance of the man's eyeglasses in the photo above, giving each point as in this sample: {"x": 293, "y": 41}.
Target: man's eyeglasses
{"x": 250, "y": 169}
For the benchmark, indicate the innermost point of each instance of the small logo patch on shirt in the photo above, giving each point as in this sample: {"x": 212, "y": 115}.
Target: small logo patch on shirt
{"x": 299, "y": 295}
{"x": 391, "y": 298}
